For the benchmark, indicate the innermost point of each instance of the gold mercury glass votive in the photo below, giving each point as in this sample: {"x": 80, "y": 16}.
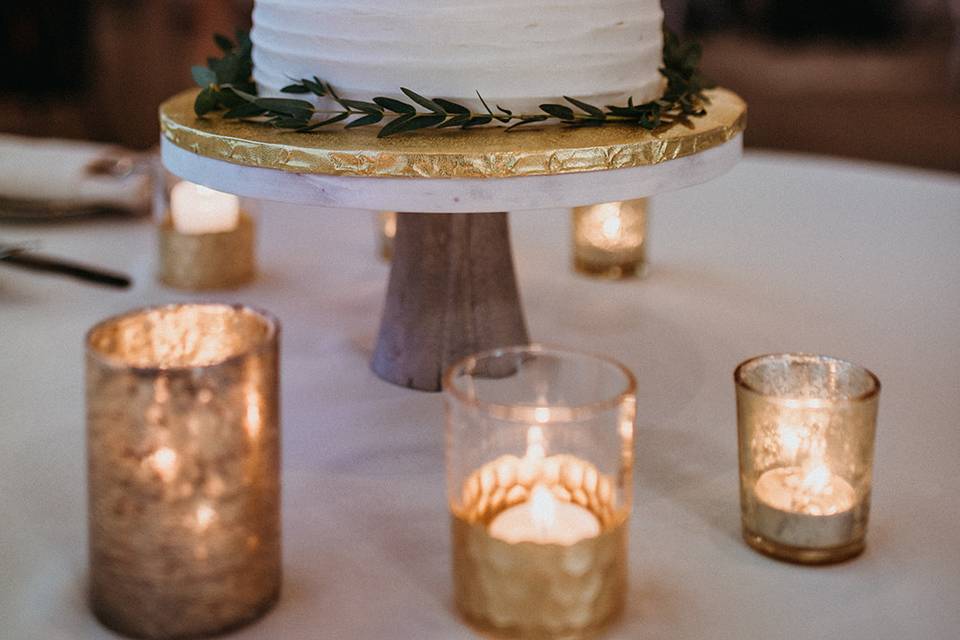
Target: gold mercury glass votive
{"x": 386, "y": 233}
{"x": 609, "y": 240}
{"x": 806, "y": 428}
{"x": 183, "y": 449}
{"x": 206, "y": 240}
{"x": 539, "y": 468}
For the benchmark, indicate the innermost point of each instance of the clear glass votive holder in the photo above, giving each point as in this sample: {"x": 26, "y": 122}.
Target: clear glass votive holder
{"x": 183, "y": 452}
{"x": 539, "y": 478}
{"x": 385, "y": 226}
{"x": 609, "y": 240}
{"x": 806, "y": 426}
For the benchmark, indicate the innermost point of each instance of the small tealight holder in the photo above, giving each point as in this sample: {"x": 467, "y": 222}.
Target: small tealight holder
{"x": 183, "y": 452}
{"x": 806, "y": 428}
{"x": 386, "y": 233}
{"x": 539, "y": 471}
{"x": 206, "y": 240}
{"x": 609, "y": 240}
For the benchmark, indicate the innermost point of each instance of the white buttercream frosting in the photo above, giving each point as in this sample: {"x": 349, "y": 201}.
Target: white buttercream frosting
{"x": 517, "y": 53}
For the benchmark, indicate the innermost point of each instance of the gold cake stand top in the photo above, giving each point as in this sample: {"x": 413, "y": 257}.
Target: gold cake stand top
{"x": 487, "y": 152}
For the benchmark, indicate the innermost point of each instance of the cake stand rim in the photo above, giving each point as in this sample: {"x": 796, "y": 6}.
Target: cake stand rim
{"x": 483, "y": 153}
{"x": 453, "y": 195}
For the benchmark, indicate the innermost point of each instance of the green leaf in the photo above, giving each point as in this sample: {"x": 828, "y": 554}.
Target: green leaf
{"x": 205, "y": 103}
{"x": 223, "y": 42}
{"x": 316, "y": 86}
{"x": 245, "y": 110}
{"x": 422, "y": 101}
{"x": 285, "y": 106}
{"x": 295, "y": 88}
{"x": 360, "y": 105}
{"x": 395, "y": 105}
{"x": 203, "y": 76}
{"x": 477, "y": 121}
{"x": 395, "y": 125}
{"x": 412, "y": 124}
{"x": 372, "y": 118}
{"x": 451, "y": 107}
{"x": 596, "y": 112}
{"x": 456, "y": 121}
{"x": 337, "y": 118}
{"x": 558, "y": 111}
{"x": 506, "y": 111}
{"x": 528, "y": 120}
{"x": 490, "y": 111}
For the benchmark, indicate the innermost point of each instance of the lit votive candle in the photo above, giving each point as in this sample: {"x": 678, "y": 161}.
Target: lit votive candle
{"x": 806, "y": 428}
{"x": 386, "y": 233}
{"x": 206, "y": 241}
{"x": 183, "y": 459}
{"x": 539, "y": 528}
{"x": 197, "y": 210}
{"x": 609, "y": 240}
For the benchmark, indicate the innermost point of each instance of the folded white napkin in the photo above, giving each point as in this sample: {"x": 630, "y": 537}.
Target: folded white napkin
{"x": 63, "y": 175}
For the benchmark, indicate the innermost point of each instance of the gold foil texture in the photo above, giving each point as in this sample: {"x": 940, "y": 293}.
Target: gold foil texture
{"x": 198, "y": 262}
{"x": 534, "y": 590}
{"x": 486, "y": 152}
{"x": 183, "y": 455}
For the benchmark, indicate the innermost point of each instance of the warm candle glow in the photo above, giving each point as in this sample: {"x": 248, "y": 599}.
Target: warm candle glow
{"x": 604, "y": 227}
{"x": 536, "y": 448}
{"x": 205, "y": 515}
{"x": 389, "y": 219}
{"x": 164, "y": 462}
{"x": 199, "y": 210}
{"x": 543, "y": 511}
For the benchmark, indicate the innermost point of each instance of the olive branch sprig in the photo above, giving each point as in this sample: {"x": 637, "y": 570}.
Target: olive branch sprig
{"x": 227, "y": 87}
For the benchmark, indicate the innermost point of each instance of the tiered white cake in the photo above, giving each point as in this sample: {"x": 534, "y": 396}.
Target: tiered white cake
{"x": 517, "y": 53}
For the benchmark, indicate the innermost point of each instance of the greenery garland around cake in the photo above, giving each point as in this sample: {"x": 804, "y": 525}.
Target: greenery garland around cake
{"x": 227, "y": 87}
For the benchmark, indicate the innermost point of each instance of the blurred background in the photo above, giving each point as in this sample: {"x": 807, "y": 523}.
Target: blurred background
{"x": 870, "y": 79}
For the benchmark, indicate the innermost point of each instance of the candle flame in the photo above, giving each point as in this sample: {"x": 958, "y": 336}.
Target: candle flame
{"x": 792, "y": 438}
{"x": 543, "y": 510}
{"x": 536, "y": 444}
{"x": 389, "y": 219}
{"x": 205, "y": 515}
{"x": 164, "y": 462}
{"x": 253, "y": 421}
{"x": 612, "y": 226}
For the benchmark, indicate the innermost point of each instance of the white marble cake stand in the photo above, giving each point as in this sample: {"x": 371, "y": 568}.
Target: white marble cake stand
{"x": 452, "y": 287}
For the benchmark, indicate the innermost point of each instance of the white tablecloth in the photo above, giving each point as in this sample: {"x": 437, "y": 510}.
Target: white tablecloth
{"x": 784, "y": 254}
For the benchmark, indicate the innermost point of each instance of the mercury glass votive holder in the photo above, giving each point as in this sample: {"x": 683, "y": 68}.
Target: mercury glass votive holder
{"x": 385, "y": 226}
{"x": 207, "y": 261}
{"x": 183, "y": 452}
{"x": 539, "y": 477}
{"x": 609, "y": 240}
{"x": 806, "y": 427}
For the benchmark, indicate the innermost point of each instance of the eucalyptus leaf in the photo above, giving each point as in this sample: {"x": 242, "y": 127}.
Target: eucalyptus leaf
{"x": 203, "y": 76}
{"x": 452, "y": 107}
{"x": 223, "y": 42}
{"x": 395, "y": 105}
{"x": 596, "y": 112}
{"x": 422, "y": 101}
{"x": 205, "y": 103}
{"x": 369, "y": 119}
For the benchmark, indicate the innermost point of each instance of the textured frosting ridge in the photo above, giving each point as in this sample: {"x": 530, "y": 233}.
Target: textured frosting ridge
{"x": 516, "y": 53}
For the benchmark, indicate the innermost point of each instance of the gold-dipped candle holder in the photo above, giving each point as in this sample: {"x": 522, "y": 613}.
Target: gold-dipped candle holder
{"x": 207, "y": 261}
{"x": 806, "y": 428}
{"x": 610, "y": 239}
{"x": 540, "y": 530}
{"x": 183, "y": 451}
